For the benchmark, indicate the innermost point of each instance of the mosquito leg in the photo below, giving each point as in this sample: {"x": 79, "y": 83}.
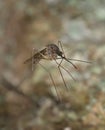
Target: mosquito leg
{"x": 61, "y": 72}
{"x": 64, "y": 57}
{"x": 77, "y": 60}
{"x": 59, "y": 42}
{"x": 67, "y": 72}
{"x": 52, "y": 80}
{"x": 33, "y": 59}
{"x": 80, "y": 60}
{"x": 70, "y": 62}
{"x": 60, "y": 66}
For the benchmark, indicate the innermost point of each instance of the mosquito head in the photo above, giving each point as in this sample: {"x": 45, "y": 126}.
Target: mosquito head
{"x": 60, "y": 53}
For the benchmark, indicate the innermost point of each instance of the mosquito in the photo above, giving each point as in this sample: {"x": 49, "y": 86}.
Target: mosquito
{"x": 54, "y": 52}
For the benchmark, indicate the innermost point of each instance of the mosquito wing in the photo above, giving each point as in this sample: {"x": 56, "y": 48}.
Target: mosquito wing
{"x": 36, "y": 57}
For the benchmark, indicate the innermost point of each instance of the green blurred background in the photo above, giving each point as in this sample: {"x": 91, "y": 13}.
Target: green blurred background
{"x": 27, "y": 99}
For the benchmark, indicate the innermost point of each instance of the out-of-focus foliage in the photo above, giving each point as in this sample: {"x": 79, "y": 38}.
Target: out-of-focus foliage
{"x": 27, "y": 98}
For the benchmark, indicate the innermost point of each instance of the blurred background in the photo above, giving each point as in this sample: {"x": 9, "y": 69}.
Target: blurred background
{"x": 27, "y": 98}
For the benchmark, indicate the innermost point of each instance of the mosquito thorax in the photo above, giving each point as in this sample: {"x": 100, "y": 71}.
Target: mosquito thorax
{"x": 52, "y": 51}
{"x": 53, "y": 47}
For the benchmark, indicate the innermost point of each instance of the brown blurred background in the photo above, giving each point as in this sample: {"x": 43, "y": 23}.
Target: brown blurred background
{"x": 27, "y": 98}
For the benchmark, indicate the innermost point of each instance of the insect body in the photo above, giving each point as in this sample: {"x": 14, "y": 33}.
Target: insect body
{"x": 52, "y": 52}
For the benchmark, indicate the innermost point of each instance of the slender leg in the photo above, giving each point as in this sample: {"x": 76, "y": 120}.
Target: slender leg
{"x": 52, "y": 80}
{"x": 77, "y": 60}
{"x": 61, "y": 46}
{"x": 60, "y": 66}
{"x": 61, "y": 72}
{"x": 33, "y": 59}
{"x": 64, "y": 57}
{"x": 59, "y": 42}
{"x": 67, "y": 71}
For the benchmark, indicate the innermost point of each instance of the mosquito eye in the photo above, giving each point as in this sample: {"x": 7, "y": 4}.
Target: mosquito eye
{"x": 59, "y": 53}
